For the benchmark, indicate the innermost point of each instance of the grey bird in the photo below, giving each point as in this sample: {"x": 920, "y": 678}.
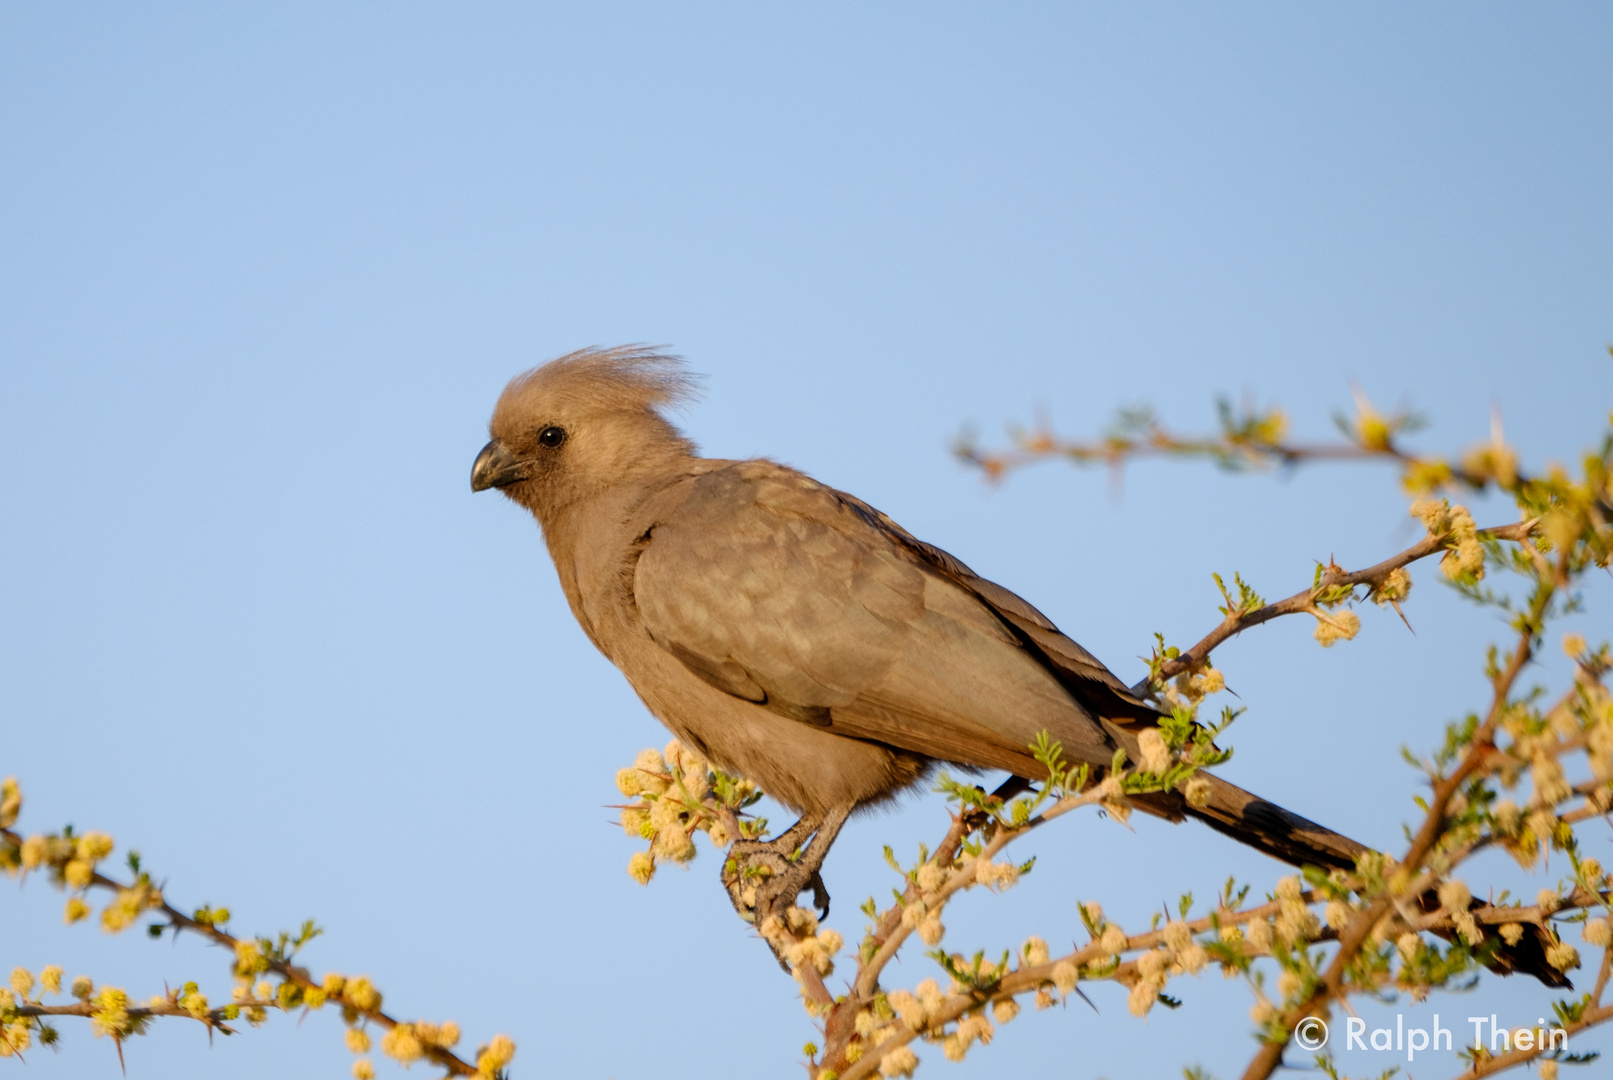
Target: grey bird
{"x": 794, "y": 635}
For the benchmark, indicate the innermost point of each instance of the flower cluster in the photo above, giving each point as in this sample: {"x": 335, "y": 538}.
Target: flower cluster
{"x": 1464, "y": 557}
{"x": 679, "y": 794}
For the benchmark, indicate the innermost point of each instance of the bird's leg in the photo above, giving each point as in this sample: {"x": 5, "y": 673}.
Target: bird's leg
{"x": 752, "y": 863}
{"x": 763, "y": 879}
{"x": 778, "y": 893}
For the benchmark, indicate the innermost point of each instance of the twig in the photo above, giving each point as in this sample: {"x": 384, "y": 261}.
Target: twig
{"x": 1304, "y": 600}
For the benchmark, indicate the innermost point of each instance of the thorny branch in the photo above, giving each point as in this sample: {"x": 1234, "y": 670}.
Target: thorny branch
{"x": 357, "y": 998}
{"x": 1332, "y": 578}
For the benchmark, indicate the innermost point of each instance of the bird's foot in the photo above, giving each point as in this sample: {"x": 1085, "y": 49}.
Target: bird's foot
{"x": 764, "y": 878}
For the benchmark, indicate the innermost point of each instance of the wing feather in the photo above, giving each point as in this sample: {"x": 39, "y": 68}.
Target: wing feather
{"x": 779, "y": 590}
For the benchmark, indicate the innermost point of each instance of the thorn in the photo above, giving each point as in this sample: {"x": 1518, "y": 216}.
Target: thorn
{"x": 1402, "y": 615}
{"x": 118, "y": 1042}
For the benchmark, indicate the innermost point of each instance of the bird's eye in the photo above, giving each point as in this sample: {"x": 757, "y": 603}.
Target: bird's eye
{"x": 552, "y": 436}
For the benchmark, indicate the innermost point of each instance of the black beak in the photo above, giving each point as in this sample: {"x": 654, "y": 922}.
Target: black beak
{"x": 495, "y": 467}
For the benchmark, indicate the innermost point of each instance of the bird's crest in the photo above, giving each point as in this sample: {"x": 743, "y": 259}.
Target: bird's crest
{"x": 629, "y": 378}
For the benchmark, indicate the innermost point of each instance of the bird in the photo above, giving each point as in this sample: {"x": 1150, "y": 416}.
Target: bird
{"x": 790, "y": 633}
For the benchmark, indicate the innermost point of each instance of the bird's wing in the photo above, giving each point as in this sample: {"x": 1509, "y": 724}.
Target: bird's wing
{"x": 1083, "y": 674}
{"x": 784, "y": 592}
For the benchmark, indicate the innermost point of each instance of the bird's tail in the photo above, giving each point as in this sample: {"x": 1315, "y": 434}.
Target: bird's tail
{"x": 1297, "y": 841}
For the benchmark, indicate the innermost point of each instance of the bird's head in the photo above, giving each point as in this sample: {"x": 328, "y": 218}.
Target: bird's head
{"x": 577, "y": 426}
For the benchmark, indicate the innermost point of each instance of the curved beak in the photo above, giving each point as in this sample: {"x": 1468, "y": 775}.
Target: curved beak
{"x": 495, "y": 467}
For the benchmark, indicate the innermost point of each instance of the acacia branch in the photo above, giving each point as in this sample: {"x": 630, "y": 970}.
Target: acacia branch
{"x": 1333, "y": 577}
{"x": 1355, "y": 933}
{"x": 298, "y": 976}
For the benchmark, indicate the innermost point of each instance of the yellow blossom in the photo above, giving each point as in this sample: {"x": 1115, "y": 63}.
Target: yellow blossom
{"x": 908, "y": 1007}
{"x": 1153, "y": 963}
{"x": 358, "y": 1040}
{"x": 1004, "y": 1010}
{"x": 1599, "y": 932}
{"x": 363, "y": 1070}
{"x": 82, "y": 987}
{"x": 495, "y": 1055}
{"x": 1454, "y": 896}
{"x": 1193, "y": 959}
{"x": 1395, "y": 587}
{"x": 996, "y": 875}
{"x": 1573, "y": 645}
{"x": 1259, "y": 934}
{"x": 78, "y": 873}
{"x": 1562, "y": 956}
{"x": 1423, "y": 476}
{"x": 1197, "y": 791}
{"x": 634, "y": 819}
{"x": 931, "y": 876}
{"x": 10, "y": 802}
{"x": 15, "y": 1038}
{"x": 22, "y": 981}
{"x": 362, "y": 994}
{"x": 1407, "y": 945}
{"x": 899, "y": 1062}
{"x": 641, "y": 868}
{"x": 93, "y": 847}
{"x": 1034, "y": 950}
{"x": 1511, "y": 932}
{"x": 51, "y": 978}
{"x": 111, "y": 1015}
{"x": 33, "y": 852}
{"x": 1506, "y": 816}
{"x": 1113, "y": 941}
{"x": 402, "y": 1045}
{"x": 1434, "y": 514}
{"x": 1332, "y": 627}
{"x": 627, "y": 781}
{"x": 1372, "y": 431}
{"x": 931, "y": 931}
{"x": 1156, "y": 756}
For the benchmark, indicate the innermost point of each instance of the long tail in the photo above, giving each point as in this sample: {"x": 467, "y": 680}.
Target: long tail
{"x": 1284, "y": 835}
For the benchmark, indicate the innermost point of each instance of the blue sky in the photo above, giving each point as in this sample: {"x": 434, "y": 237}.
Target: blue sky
{"x": 265, "y": 267}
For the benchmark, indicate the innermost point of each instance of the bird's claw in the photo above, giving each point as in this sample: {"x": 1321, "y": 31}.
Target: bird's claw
{"x": 763, "y": 879}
